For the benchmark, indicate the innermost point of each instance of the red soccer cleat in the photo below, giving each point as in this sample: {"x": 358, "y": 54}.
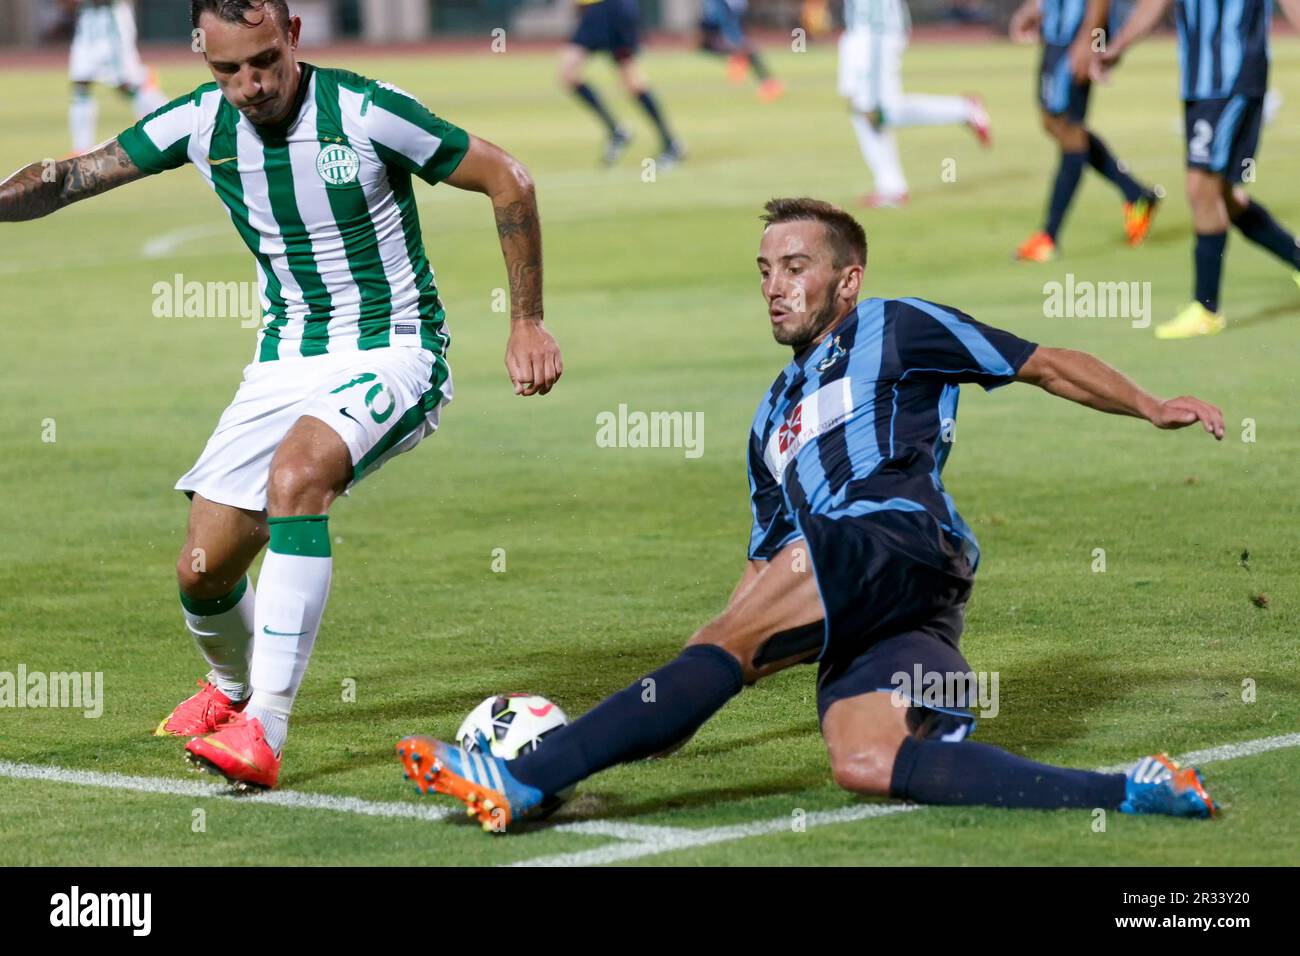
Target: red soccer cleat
{"x": 979, "y": 122}
{"x": 1137, "y": 218}
{"x": 201, "y": 714}
{"x": 771, "y": 90}
{"x": 239, "y": 752}
{"x": 1037, "y": 248}
{"x": 882, "y": 201}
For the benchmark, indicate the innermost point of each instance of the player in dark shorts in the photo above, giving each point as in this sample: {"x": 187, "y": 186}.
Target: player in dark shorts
{"x": 1066, "y": 28}
{"x": 1223, "y": 51}
{"x": 613, "y": 27}
{"x": 723, "y": 33}
{"x": 858, "y": 560}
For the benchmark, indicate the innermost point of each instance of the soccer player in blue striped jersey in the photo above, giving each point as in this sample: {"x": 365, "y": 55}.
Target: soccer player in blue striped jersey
{"x": 1067, "y": 29}
{"x": 316, "y": 169}
{"x": 1223, "y": 57}
{"x": 858, "y": 559}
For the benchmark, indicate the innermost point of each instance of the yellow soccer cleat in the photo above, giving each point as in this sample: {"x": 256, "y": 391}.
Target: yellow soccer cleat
{"x": 1194, "y": 320}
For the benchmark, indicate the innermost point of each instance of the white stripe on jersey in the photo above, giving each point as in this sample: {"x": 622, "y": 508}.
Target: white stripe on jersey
{"x": 385, "y": 216}
{"x": 323, "y": 234}
{"x": 389, "y": 129}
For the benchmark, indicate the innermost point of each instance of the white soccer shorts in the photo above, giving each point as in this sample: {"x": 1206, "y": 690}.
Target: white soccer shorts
{"x": 871, "y": 69}
{"x": 104, "y": 47}
{"x": 381, "y": 402}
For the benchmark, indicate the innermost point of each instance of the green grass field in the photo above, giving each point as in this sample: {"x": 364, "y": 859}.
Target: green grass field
{"x": 615, "y": 556}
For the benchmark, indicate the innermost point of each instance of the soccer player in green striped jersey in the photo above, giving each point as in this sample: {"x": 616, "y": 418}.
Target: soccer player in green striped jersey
{"x": 316, "y": 169}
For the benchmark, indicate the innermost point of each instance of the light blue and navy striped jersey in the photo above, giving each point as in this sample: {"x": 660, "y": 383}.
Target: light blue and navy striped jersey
{"x": 1061, "y": 20}
{"x": 1223, "y": 47}
{"x": 864, "y": 421}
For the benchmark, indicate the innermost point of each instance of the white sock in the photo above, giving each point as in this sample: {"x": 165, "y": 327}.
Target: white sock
{"x": 293, "y": 588}
{"x": 223, "y": 629}
{"x": 880, "y": 150}
{"x": 916, "y": 109}
{"x": 82, "y": 116}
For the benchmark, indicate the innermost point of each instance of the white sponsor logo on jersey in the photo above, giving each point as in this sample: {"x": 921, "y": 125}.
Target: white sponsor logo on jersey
{"x": 825, "y": 409}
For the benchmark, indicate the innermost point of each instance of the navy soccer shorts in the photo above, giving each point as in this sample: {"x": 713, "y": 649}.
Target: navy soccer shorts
{"x": 1058, "y": 93}
{"x": 1223, "y": 135}
{"x": 894, "y": 590}
{"x": 609, "y": 26}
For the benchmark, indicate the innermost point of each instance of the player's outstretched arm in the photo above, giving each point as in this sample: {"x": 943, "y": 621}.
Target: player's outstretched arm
{"x": 532, "y": 354}
{"x": 1085, "y": 45}
{"x": 1086, "y": 379}
{"x": 42, "y": 188}
{"x": 1292, "y": 10}
{"x": 1025, "y": 22}
{"x": 1143, "y": 20}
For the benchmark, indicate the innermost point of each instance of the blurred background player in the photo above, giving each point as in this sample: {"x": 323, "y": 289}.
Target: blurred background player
{"x": 104, "y": 51}
{"x": 612, "y": 26}
{"x": 1223, "y": 52}
{"x": 870, "y": 78}
{"x": 722, "y": 32}
{"x": 1066, "y": 28}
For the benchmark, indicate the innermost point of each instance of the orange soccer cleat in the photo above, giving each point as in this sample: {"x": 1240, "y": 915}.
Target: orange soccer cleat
{"x": 771, "y": 89}
{"x": 737, "y": 68}
{"x": 239, "y": 752}
{"x": 201, "y": 714}
{"x": 1037, "y": 248}
{"x": 1137, "y": 218}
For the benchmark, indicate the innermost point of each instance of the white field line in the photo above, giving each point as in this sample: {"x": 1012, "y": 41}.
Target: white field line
{"x": 678, "y": 839}
{"x": 206, "y": 791}
{"x": 635, "y": 840}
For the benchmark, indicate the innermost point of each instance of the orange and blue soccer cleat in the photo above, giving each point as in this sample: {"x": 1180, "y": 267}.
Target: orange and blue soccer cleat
{"x": 1137, "y": 218}
{"x": 1037, "y": 248}
{"x": 201, "y": 714}
{"x": 476, "y": 778}
{"x": 239, "y": 752}
{"x": 1158, "y": 785}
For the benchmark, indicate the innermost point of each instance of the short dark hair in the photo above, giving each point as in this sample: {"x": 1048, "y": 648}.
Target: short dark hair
{"x": 237, "y": 11}
{"x": 847, "y": 238}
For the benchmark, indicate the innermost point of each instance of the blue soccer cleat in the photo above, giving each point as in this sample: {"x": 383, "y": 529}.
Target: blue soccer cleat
{"x": 476, "y": 778}
{"x": 1158, "y": 785}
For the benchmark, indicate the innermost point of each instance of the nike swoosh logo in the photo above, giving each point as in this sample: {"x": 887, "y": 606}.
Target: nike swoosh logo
{"x": 344, "y": 412}
{"x": 540, "y": 711}
{"x": 267, "y": 630}
{"x": 219, "y": 162}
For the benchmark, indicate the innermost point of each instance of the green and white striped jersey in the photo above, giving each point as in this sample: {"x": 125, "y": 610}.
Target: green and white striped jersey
{"x": 878, "y": 16}
{"x": 325, "y": 203}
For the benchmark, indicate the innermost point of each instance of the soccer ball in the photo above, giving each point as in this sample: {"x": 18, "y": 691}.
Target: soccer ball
{"x": 515, "y": 724}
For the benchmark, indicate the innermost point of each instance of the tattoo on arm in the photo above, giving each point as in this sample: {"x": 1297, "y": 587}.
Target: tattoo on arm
{"x": 521, "y": 241}
{"x": 42, "y": 188}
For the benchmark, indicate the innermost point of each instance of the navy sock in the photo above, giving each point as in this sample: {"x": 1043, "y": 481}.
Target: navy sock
{"x": 1209, "y": 268}
{"x": 592, "y": 99}
{"x": 758, "y": 66}
{"x": 645, "y": 718}
{"x": 1067, "y": 181}
{"x": 966, "y": 773}
{"x": 1259, "y": 226}
{"x": 651, "y": 106}
{"x": 1103, "y": 160}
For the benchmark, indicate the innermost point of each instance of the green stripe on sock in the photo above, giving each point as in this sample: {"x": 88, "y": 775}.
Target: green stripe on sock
{"x": 305, "y": 535}
{"x": 207, "y": 607}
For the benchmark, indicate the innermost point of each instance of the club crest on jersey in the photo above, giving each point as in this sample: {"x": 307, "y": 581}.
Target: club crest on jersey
{"x": 836, "y": 353}
{"x": 824, "y": 410}
{"x": 338, "y": 164}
